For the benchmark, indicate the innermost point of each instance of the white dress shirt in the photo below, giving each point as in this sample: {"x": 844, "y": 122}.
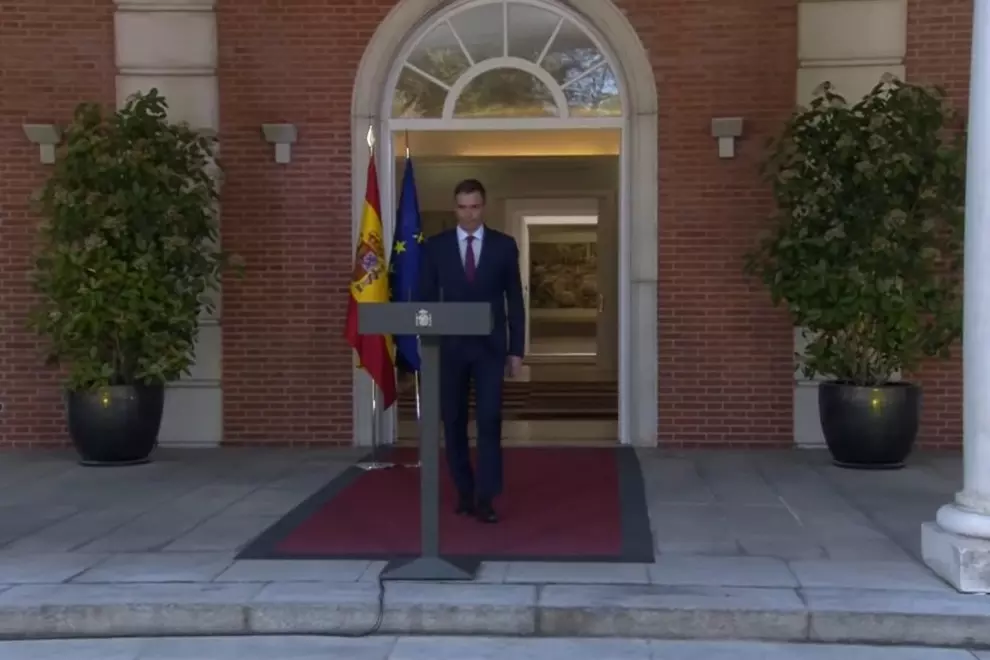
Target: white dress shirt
{"x": 462, "y": 243}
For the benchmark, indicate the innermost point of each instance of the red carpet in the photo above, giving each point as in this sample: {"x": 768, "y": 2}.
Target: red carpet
{"x": 559, "y": 504}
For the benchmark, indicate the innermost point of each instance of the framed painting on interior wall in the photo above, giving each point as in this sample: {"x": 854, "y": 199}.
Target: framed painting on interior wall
{"x": 563, "y": 271}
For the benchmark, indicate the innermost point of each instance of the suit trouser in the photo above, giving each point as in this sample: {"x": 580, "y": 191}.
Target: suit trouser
{"x": 486, "y": 369}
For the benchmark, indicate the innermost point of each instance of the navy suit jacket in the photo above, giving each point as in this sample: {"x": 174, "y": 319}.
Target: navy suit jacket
{"x": 496, "y": 281}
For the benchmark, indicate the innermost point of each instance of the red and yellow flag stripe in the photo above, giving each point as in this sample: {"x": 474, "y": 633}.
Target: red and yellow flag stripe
{"x": 369, "y": 284}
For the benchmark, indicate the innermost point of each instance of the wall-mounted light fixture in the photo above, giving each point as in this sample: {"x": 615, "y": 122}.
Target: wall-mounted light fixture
{"x": 47, "y": 137}
{"x": 726, "y": 130}
{"x": 283, "y": 136}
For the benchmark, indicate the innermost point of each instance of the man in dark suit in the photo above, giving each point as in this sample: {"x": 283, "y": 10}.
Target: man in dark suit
{"x": 475, "y": 263}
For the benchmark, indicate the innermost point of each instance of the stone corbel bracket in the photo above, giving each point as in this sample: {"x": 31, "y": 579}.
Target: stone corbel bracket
{"x": 726, "y": 130}
{"x": 47, "y": 137}
{"x": 283, "y": 136}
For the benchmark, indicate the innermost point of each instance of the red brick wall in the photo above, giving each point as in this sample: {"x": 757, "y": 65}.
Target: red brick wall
{"x": 53, "y": 54}
{"x": 726, "y": 365}
{"x": 938, "y": 52}
{"x": 286, "y": 368}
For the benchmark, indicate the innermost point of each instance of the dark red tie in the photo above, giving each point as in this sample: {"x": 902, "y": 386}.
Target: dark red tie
{"x": 469, "y": 265}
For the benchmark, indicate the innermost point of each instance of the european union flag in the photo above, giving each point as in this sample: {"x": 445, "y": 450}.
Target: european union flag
{"x": 407, "y": 248}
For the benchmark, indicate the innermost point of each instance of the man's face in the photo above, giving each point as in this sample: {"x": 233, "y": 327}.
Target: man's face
{"x": 468, "y": 207}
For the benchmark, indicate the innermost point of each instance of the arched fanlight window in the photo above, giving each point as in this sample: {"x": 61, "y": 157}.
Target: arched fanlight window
{"x": 506, "y": 59}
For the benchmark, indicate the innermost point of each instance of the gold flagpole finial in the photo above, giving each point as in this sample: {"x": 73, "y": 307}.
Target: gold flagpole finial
{"x": 371, "y": 138}
{"x": 407, "y": 144}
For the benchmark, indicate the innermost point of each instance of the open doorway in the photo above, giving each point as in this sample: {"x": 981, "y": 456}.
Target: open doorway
{"x": 568, "y": 264}
{"x": 556, "y": 193}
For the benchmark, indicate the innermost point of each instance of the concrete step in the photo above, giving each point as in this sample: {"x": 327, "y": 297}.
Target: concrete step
{"x": 929, "y": 618}
{"x": 454, "y": 648}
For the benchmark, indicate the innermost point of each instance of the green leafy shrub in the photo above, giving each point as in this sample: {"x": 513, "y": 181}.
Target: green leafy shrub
{"x": 128, "y": 250}
{"x": 866, "y": 246}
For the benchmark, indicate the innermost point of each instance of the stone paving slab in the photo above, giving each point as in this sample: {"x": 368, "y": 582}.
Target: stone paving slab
{"x": 866, "y": 574}
{"x": 576, "y": 610}
{"x": 452, "y": 648}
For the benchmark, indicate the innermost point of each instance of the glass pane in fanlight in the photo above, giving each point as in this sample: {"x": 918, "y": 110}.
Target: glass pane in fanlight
{"x": 505, "y": 93}
{"x": 416, "y": 97}
{"x": 571, "y": 53}
{"x": 439, "y": 55}
{"x": 482, "y": 31}
{"x": 594, "y": 95}
{"x": 530, "y": 28}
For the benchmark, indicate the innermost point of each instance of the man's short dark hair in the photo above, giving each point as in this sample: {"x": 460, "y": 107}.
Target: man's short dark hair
{"x": 468, "y": 186}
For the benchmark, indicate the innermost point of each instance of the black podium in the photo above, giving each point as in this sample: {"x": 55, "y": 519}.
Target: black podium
{"x": 430, "y": 321}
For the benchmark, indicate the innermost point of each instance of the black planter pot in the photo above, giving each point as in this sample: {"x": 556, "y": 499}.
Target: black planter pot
{"x": 115, "y": 425}
{"x": 869, "y": 428}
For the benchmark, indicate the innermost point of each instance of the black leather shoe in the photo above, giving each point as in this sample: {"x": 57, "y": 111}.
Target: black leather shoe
{"x": 465, "y": 506}
{"x": 486, "y": 513}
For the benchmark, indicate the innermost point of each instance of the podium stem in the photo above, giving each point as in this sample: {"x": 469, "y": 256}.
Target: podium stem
{"x": 429, "y": 448}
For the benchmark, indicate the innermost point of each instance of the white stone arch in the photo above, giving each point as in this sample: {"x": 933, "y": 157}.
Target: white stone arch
{"x": 638, "y": 212}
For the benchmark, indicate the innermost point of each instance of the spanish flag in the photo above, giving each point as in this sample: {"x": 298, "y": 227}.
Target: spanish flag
{"x": 369, "y": 284}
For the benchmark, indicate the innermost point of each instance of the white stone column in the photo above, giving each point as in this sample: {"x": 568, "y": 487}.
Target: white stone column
{"x": 171, "y": 45}
{"x": 957, "y": 545}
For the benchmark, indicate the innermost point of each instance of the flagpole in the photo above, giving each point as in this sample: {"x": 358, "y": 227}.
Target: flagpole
{"x": 416, "y": 381}
{"x": 388, "y": 228}
{"x": 395, "y": 427}
{"x": 374, "y": 463}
